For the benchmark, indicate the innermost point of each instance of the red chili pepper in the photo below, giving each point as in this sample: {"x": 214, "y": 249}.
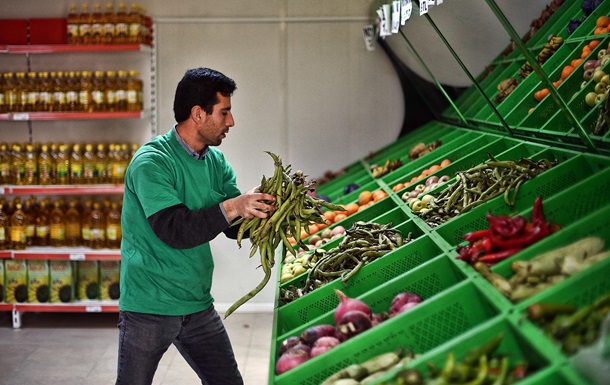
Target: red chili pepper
{"x": 476, "y": 235}
{"x": 538, "y": 212}
{"x": 539, "y": 231}
{"x": 498, "y": 256}
{"x": 505, "y": 225}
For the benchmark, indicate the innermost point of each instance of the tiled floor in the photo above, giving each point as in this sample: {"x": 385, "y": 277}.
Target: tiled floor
{"x": 81, "y": 349}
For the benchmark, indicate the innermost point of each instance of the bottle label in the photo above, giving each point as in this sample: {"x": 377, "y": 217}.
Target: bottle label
{"x": 5, "y": 171}
{"x": 132, "y": 97}
{"x": 97, "y": 97}
{"x": 2, "y": 99}
{"x": 30, "y": 230}
{"x": 121, "y": 29}
{"x": 108, "y": 29}
{"x": 135, "y": 29}
{"x": 85, "y": 233}
{"x": 96, "y": 29}
{"x": 121, "y": 96}
{"x": 59, "y": 98}
{"x": 113, "y": 232}
{"x": 110, "y": 97}
{"x": 42, "y": 231}
{"x": 72, "y": 97}
{"x": 2, "y": 235}
{"x": 76, "y": 170}
{"x": 85, "y": 29}
{"x": 97, "y": 234}
{"x": 44, "y": 97}
{"x": 84, "y": 98}
{"x": 72, "y": 30}
{"x": 62, "y": 171}
{"x": 58, "y": 232}
{"x": 18, "y": 234}
{"x": 32, "y": 98}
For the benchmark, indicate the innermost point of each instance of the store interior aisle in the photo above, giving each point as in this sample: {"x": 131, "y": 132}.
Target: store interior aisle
{"x": 81, "y": 349}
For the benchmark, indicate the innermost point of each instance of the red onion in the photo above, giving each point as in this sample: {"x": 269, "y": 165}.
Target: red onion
{"x": 347, "y": 304}
{"x": 290, "y": 359}
{"x": 353, "y": 323}
{"x": 312, "y": 334}
{"x": 324, "y": 344}
{"x": 288, "y": 343}
{"x": 406, "y": 307}
{"x": 402, "y": 299}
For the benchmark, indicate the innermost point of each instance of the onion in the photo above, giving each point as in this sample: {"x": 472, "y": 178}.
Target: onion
{"x": 324, "y": 344}
{"x": 431, "y": 180}
{"x": 376, "y": 319}
{"x": 289, "y": 343}
{"x": 314, "y": 333}
{"x": 443, "y": 178}
{"x": 402, "y": 299}
{"x": 289, "y": 360}
{"x": 353, "y": 323}
{"x": 406, "y": 307}
{"x": 347, "y": 304}
{"x": 589, "y": 64}
{"x": 337, "y": 231}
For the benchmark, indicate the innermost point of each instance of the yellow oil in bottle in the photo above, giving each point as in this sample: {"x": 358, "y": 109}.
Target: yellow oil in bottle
{"x": 22, "y": 92}
{"x": 58, "y": 91}
{"x": 89, "y": 174}
{"x": 30, "y": 165}
{"x": 101, "y": 164}
{"x": 5, "y": 164}
{"x": 32, "y": 87}
{"x": 17, "y": 165}
{"x": 113, "y": 226}
{"x": 84, "y": 25}
{"x": 135, "y": 25}
{"x": 118, "y": 165}
{"x": 30, "y": 222}
{"x": 63, "y": 164}
{"x": 45, "y": 93}
{"x": 57, "y": 225}
{"x": 45, "y": 166}
{"x": 122, "y": 27}
{"x": 98, "y": 227}
{"x": 10, "y": 92}
{"x": 134, "y": 91}
{"x": 42, "y": 224}
{"x": 86, "y": 223}
{"x": 85, "y": 97}
{"x": 98, "y": 91}
{"x": 5, "y": 237}
{"x": 121, "y": 91}
{"x": 18, "y": 225}
{"x": 72, "y": 90}
{"x": 97, "y": 24}
{"x": 3, "y": 108}
{"x": 109, "y": 20}
{"x": 110, "y": 91}
{"x": 73, "y": 223}
{"x": 72, "y": 21}
{"x": 76, "y": 165}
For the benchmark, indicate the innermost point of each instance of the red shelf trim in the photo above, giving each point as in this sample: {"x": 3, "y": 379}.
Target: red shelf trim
{"x": 63, "y": 190}
{"x": 77, "y": 307}
{"x": 6, "y": 306}
{"x": 6, "y": 254}
{"x": 28, "y": 116}
{"x": 70, "y": 255}
{"x": 69, "y": 48}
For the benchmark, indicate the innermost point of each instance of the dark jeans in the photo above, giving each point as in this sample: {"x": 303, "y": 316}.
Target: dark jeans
{"x": 201, "y": 339}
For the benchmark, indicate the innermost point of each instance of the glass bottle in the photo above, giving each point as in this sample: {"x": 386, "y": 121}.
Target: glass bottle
{"x": 5, "y": 240}
{"x": 101, "y": 164}
{"x": 22, "y": 92}
{"x": 17, "y": 165}
{"x": 58, "y": 86}
{"x": 110, "y": 91}
{"x": 122, "y": 27}
{"x": 30, "y": 165}
{"x": 5, "y": 164}
{"x": 57, "y": 225}
{"x": 98, "y": 227}
{"x": 72, "y": 21}
{"x": 76, "y": 165}
{"x": 32, "y": 87}
{"x": 97, "y": 24}
{"x": 109, "y": 25}
{"x": 86, "y": 223}
{"x": 84, "y": 94}
{"x": 18, "y": 224}
{"x": 113, "y": 226}
{"x": 84, "y": 25}
{"x": 89, "y": 159}
{"x": 30, "y": 222}
{"x": 63, "y": 164}
{"x": 134, "y": 91}
{"x": 121, "y": 91}
{"x": 45, "y": 93}
{"x": 42, "y": 224}
{"x": 72, "y": 90}
{"x": 10, "y": 92}
{"x": 73, "y": 223}
{"x": 98, "y": 91}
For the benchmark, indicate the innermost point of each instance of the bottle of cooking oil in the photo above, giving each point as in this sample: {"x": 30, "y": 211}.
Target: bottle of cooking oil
{"x": 134, "y": 91}
{"x": 30, "y": 222}
{"x": 86, "y": 223}
{"x": 122, "y": 27}
{"x": 109, "y": 25}
{"x": 22, "y": 92}
{"x": 73, "y": 222}
{"x": 30, "y": 165}
{"x": 17, "y": 165}
{"x": 98, "y": 91}
{"x": 5, "y": 236}
{"x": 54, "y": 151}
{"x": 121, "y": 91}
{"x": 113, "y": 226}
{"x": 133, "y": 149}
{"x": 135, "y": 25}
{"x": 2, "y": 96}
{"x": 118, "y": 165}
{"x": 84, "y": 25}
{"x": 63, "y": 164}
{"x": 85, "y": 97}
{"x": 101, "y": 164}
{"x": 32, "y": 87}
{"x": 42, "y": 224}
{"x": 59, "y": 91}
{"x": 110, "y": 90}
{"x": 5, "y": 164}
{"x": 76, "y": 165}
{"x": 10, "y": 92}
{"x": 45, "y": 93}
{"x": 72, "y": 90}
{"x": 72, "y": 25}
{"x": 98, "y": 226}
{"x": 89, "y": 159}
{"x": 18, "y": 224}
{"x": 97, "y": 23}
{"x": 57, "y": 225}
{"x": 45, "y": 166}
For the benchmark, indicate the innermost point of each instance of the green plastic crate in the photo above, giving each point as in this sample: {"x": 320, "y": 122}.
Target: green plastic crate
{"x": 588, "y": 26}
{"x": 338, "y": 195}
{"x": 336, "y": 185}
{"x": 450, "y": 308}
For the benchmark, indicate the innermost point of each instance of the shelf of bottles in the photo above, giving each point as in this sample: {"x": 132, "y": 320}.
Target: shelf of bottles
{"x": 74, "y": 307}
{"x": 71, "y": 48}
{"x": 62, "y": 190}
{"x": 29, "y": 116}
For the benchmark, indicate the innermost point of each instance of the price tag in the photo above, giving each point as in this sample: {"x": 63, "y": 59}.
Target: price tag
{"x": 395, "y": 16}
{"x": 93, "y": 309}
{"x": 77, "y": 257}
{"x": 423, "y": 7}
{"x": 2, "y": 190}
{"x": 439, "y": 2}
{"x": 368, "y": 32}
{"x": 405, "y": 11}
{"x": 20, "y": 116}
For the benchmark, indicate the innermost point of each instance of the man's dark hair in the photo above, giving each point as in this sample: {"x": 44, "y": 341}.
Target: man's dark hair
{"x": 199, "y": 87}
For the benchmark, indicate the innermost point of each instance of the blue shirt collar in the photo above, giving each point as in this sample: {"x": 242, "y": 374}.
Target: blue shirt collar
{"x": 197, "y": 155}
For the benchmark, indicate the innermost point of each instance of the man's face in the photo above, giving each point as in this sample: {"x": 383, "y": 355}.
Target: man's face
{"x": 216, "y": 125}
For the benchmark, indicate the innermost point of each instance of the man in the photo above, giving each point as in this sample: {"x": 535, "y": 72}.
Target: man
{"x": 180, "y": 193}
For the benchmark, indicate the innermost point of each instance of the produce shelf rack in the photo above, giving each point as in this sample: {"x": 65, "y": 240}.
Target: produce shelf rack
{"x": 461, "y": 309}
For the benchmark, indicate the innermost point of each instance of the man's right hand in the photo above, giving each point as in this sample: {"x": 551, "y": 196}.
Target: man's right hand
{"x": 249, "y": 205}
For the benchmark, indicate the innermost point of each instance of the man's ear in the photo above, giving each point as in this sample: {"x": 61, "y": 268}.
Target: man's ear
{"x": 197, "y": 114}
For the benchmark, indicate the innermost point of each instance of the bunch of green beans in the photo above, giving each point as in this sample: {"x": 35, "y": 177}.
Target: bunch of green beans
{"x": 294, "y": 210}
{"x": 480, "y": 184}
